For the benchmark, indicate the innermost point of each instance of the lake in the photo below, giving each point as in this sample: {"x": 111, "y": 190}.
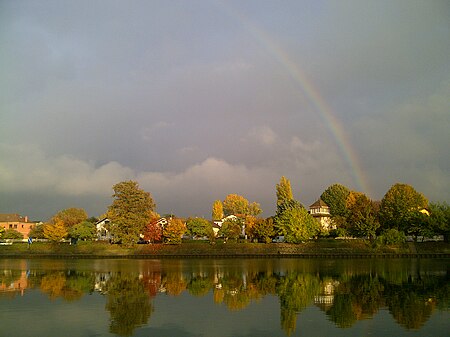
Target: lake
{"x": 225, "y": 297}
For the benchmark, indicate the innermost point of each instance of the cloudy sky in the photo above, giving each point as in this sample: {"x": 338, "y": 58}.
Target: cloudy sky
{"x": 199, "y": 99}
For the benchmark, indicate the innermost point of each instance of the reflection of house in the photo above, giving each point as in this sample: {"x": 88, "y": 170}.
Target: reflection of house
{"x": 326, "y": 298}
{"x": 16, "y": 285}
{"x": 321, "y": 211}
{"x": 17, "y": 222}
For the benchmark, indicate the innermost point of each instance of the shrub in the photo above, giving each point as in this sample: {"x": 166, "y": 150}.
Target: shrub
{"x": 393, "y": 236}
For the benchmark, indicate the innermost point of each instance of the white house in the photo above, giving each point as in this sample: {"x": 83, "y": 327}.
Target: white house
{"x": 102, "y": 226}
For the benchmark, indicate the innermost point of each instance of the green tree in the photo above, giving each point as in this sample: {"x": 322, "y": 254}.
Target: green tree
{"x": 399, "y": 207}
{"x": 83, "y": 231}
{"x": 296, "y": 224}
{"x": 199, "y": 227}
{"x": 131, "y": 210}
{"x": 55, "y": 231}
{"x": 440, "y": 219}
{"x": 12, "y": 234}
{"x": 231, "y": 229}
{"x": 173, "y": 231}
{"x": 128, "y": 304}
{"x": 284, "y": 191}
{"x": 2, "y": 231}
{"x": 37, "y": 232}
{"x": 335, "y": 196}
{"x": 217, "y": 210}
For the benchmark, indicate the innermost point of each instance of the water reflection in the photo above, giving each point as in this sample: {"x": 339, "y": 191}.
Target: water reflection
{"x": 345, "y": 291}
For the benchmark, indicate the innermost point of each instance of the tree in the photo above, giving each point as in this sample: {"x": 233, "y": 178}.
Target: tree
{"x": 296, "y": 224}
{"x": 217, "y": 210}
{"x": 399, "y": 206}
{"x": 361, "y": 220}
{"x": 37, "y": 232}
{"x": 83, "y": 231}
{"x": 263, "y": 230}
{"x": 235, "y": 204}
{"x": 153, "y": 231}
{"x": 335, "y": 196}
{"x": 70, "y": 216}
{"x": 284, "y": 191}
{"x": 2, "y": 231}
{"x": 55, "y": 231}
{"x": 440, "y": 219}
{"x": 199, "y": 227}
{"x": 131, "y": 210}
{"x": 12, "y": 234}
{"x": 173, "y": 231}
{"x": 231, "y": 229}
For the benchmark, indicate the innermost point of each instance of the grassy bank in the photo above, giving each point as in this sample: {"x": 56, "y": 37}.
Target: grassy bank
{"x": 320, "y": 248}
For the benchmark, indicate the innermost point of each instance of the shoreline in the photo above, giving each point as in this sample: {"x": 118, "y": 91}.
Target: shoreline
{"x": 201, "y": 250}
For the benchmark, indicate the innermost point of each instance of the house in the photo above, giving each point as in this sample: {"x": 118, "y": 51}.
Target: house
{"x": 103, "y": 229}
{"x": 321, "y": 211}
{"x": 217, "y": 224}
{"x": 18, "y": 223}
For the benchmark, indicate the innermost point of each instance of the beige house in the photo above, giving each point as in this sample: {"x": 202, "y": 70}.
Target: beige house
{"x": 321, "y": 211}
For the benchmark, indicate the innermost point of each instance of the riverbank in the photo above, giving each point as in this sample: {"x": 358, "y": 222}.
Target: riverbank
{"x": 317, "y": 248}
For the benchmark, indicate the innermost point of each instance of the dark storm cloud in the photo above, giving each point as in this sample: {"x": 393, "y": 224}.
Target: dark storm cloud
{"x": 186, "y": 98}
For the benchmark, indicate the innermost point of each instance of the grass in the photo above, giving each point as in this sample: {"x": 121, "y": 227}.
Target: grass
{"x": 220, "y": 249}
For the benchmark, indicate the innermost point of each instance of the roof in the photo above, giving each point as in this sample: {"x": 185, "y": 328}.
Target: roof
{"x": 12, "y": 218}
{"x": 319, "y": 203}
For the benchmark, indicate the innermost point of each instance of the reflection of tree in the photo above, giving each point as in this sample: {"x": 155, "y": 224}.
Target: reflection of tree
{"x": 296, "y": 291}
{"x": 357, "y": 298}
{"x": 174, "y": 283}
{"x": 199, "y": 286}
{"x": 128, "y": 304}
{"x": 56, "y": 285}
{"x": 152, "y": 282}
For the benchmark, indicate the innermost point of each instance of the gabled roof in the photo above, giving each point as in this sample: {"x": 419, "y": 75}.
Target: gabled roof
{"x": 319, "y": 203}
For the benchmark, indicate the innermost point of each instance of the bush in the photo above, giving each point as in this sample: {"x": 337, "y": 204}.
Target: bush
{"x": 393, "y": 237}
{"x": 12, "y": 234}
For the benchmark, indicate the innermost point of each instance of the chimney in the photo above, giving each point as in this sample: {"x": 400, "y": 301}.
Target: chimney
{"x": 26, "y": 218}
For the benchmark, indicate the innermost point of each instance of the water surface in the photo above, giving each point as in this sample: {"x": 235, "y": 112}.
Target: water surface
{"x": 229, "y": 297}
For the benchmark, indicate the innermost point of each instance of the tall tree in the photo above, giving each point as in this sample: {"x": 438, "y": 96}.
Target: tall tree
{"x": 335, "y": 196}
{"x": 399, "y": 207}
{"x": 284, "y": 191}
{"x": 131, "y": 210}
{"x": 217, "y": 210}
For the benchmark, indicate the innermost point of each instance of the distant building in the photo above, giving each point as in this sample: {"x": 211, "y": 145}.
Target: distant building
{"x": 18, "y": 223}
{"x": 321, "y": 211}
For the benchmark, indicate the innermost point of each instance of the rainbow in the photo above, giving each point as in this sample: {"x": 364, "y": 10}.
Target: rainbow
{"x": 309, "y": 90}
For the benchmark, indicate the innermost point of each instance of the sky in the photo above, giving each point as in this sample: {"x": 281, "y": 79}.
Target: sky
{"x": 197, "y": 99}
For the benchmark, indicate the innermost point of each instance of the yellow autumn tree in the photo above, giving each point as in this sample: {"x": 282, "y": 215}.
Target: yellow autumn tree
{"x": 55, "y": 231}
